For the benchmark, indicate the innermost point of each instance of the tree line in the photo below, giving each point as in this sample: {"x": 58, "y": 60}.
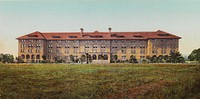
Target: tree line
{"x": 174, "y": 57}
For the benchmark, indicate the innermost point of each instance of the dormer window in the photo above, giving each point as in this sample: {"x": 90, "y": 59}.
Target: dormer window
{"x": 97, "y": 36}
{"x": 120, "y": 36}
{"x": 56, "y": 37}
{"x": 32, "y": 36}
{"x": 163, "y": 34}
{"x": 137, "y": 36}
{"x": 72, "y": 36}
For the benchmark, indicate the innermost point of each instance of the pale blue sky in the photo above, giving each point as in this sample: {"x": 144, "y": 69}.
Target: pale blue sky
{"x": 19, "y": 17}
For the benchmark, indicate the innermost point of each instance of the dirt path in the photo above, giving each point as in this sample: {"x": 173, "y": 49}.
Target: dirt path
{"x": 142, "y": 90}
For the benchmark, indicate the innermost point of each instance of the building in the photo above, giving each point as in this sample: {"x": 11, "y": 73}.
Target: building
{"x": 35, "y": 46}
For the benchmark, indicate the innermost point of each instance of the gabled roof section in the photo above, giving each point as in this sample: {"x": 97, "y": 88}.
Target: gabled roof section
{"x": 99, "y": 35}
{"x": 34, "y": 35}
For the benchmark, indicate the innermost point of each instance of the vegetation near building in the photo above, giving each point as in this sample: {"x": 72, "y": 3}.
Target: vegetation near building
{"x": 6, "y": 58}
{"x": 100, "y": 46}
{"x": 195, "y": 55}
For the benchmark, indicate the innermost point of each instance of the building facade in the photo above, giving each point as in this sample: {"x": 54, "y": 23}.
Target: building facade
{"x": 36, "y": 46}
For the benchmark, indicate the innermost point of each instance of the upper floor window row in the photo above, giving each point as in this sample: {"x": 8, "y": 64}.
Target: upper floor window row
{"x": 31, "y": 40}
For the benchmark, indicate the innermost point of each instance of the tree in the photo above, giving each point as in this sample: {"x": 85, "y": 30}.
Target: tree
{"x": 132, "y": 59}
{"x": 88, "y": 58}
{"x": 6, "y": 58}
{"x": 176, "y": 57}
{"x": 44, "y": 57}
{"x": 115, "y": 57}
{"x": 154, "y": 59}
{"x": 72, "y": 58}
{"x": 195, "y": 55}
{"x": 160, "y": 59}
{"x": 83, "y": 58}
{"x": 1, "y": 57}
{"x": 19, "y": 59}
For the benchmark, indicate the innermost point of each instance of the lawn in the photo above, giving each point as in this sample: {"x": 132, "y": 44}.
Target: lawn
{"x": 99, "y": 81}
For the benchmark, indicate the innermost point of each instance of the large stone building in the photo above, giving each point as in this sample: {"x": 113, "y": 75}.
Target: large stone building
{"x": 60, "y": 45}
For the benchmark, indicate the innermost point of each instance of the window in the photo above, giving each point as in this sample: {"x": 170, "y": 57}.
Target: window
{"x": 30, "y": 45}
{"x": 142, "y": 57}
{"x": 30, "y": 40}
{"x": 163, "y": 34}
{"x": 22, "y": 50}
{"x": 137, "y": 36}
{"x": 58, "y": 41}
{"x": 133, "y": 46}
{"x": 72, "y": 36}
{"x": 94, "y": 46}
{"x": 103, "y": 46}
{"x": 23, "y": 45}
{"x": 23, "y": 40}
{"x": 38, "y": 40}
{"x": 96, "y": 36}
{"x": 163, "y": 51}
{"x": 49, "y": 57}
{"x": 37, "y": 51}
{"x": 58, "y": 51}
{"x": 66, "y": 51}
{"x": 38, "y": 45}
{"x": 133, "y": 51}
{"x": 50, "y": 46}
{"x": 114, "y": 46}
{"x": 30, "y": 51}
{"x": 154, "y": 51}
{"x": 67, "y": 46}
{"x": 123, "y": 46}
{"x": 58, "y": 46}
{"x": 75, "y": 46}
{"x": 87, "y": 46}
{"x": 38, "y": 57}
{"x": 142, "y": 51}
{"x": 55, "y": 36}
{"x": 50, "y": 41}
{"x": 123, "y": 57}
{"x": 123, "y": 51}
{"x": 75, "y": 51}
{"x": 105, "y": 57}
{"x": 50, "y": 51}
{"x": 94, "y": 57}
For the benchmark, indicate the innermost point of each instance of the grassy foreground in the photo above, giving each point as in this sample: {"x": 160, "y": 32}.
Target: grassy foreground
{"x": 99, "y": 81}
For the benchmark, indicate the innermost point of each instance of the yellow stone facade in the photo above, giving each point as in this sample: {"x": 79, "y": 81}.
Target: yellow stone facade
{"x": 33, "y": 50}
{"x": 37, "y": 46}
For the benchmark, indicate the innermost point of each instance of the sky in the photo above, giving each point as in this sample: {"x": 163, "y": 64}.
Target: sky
{"x": 20, "y": 17}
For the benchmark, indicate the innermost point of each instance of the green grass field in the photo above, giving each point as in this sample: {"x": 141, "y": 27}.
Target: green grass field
{"x": 168, "y": 81}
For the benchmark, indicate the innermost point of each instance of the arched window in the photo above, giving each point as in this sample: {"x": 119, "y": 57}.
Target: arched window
{"x": 38, "y": 57}
{"x": 94, "y": 57}
{"x": 27, "y": 56}
{"x": 99, "y": 57}
{"x": 105, "y": 57}
{"x": 22, "y": 56}
{"x": 32, "y": 57}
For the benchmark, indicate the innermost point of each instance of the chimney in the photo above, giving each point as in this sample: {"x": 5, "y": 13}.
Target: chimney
{"x": 81, "y": 31}
{"x": 110, "y": 31}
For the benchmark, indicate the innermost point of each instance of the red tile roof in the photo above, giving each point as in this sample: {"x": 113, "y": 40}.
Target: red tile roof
{"x": 99, "y": 35}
